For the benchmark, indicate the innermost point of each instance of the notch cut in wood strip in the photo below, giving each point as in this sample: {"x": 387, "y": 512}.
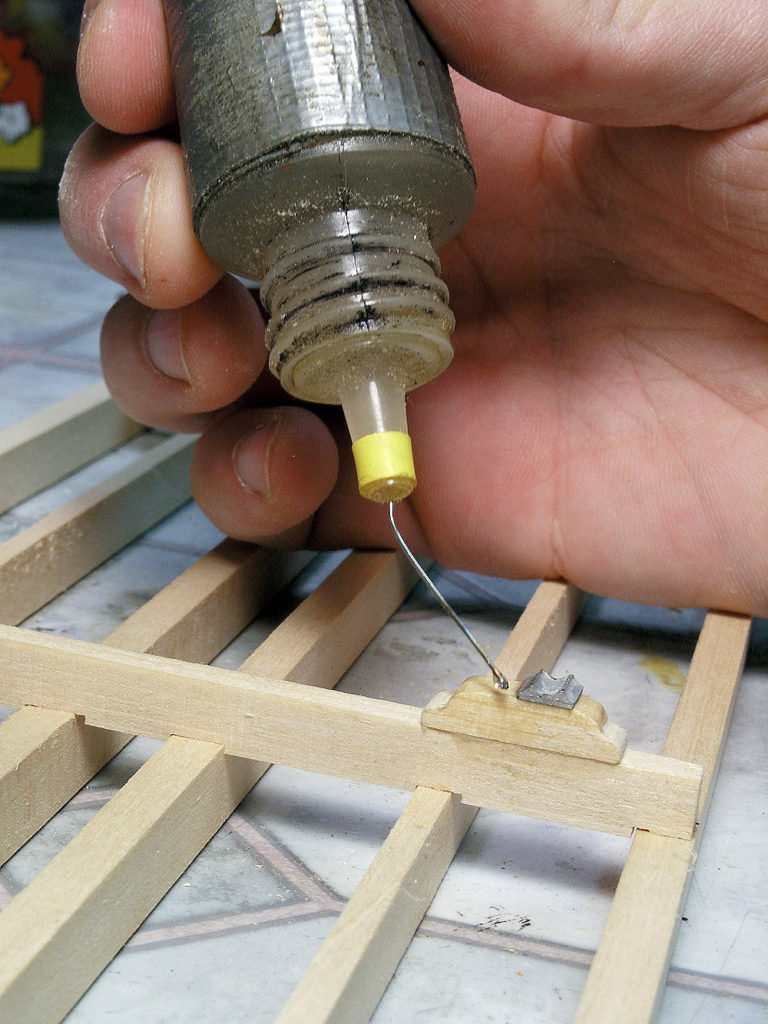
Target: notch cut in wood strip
{"x": 133, "y": 850}
{"x": 45, "y": 559}
{"x": 342, "y": 734}
{"x": 353, "y": 967}
{"x": 49, "y": 445}
{"x": 629, "y": 970}
{"x": 47, "y": 756}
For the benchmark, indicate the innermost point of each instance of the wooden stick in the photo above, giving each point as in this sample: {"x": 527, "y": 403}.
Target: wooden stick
{"x": 356, "y": 962}
{"x": 65, "y": 926}
{"x": 133, "y": 850}
{"x": 47, "y": 756}
{"x": 629, "y": 970}
{"x": 318, "y": 642}
{"x": 704, "y": 710}
{"x": 48, "y": 445}
{"x": 45, "y": 559}
{"x": 343, "y": 734}
{"x": 543, "y": 627}
{"x": 205, "y": 608}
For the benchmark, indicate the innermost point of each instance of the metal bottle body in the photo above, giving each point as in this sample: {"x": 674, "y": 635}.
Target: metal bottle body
{"x": 292, "y": 109}
{"x": 325, "y": 157}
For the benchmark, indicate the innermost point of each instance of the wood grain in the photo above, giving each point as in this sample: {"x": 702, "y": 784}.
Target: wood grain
{"x": 65, "y": 926}
{"x": 354, "y": 965}
{"x": 47, "y": 756}
{"x": 48, "y": 445}
{"x": 348, "y": 976}
{"x": 55, "y": 936}
{"x": 536, "y": 640}
{"x": 477, "y": 708}
{"x": 629, "y": 970}
{"x": 45, "y": 559}
{"x": 342, "y": 734}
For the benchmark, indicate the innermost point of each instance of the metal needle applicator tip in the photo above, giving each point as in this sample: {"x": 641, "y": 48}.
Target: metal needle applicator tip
{"x": 501, "y": 682}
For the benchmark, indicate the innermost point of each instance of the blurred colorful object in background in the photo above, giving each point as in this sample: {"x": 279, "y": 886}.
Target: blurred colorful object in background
{"x": 40, "y": 110}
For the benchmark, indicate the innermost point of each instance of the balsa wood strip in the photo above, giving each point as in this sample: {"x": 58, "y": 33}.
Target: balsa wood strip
{"x": 55, "y": 936}
{"x": 321, "y": 638}
{"x": 704, "y": 711}
{"x": 205, "y": 608}
{"x": 47, "y": 756}
{"x": 541, "y": 631}
{"x": 65, "y": 926}
{"x": 353, "y": 967}
{"x": 628, "y": 974}
{"x": 342, "y": 734}
{"x": 629, "y": 969}
{"x": 45, "y": 559}
{"x": 48, "y": 445}
{"x": 355, "y": 963}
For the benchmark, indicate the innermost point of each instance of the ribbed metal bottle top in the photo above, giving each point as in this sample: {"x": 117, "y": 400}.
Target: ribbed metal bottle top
{"x": 304, "y": 67}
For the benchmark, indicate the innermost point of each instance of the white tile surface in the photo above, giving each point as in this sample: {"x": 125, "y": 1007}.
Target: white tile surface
{"x": 26, "y": 387}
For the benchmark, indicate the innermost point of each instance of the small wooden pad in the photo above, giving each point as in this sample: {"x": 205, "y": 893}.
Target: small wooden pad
{"x": 478, "y": 709}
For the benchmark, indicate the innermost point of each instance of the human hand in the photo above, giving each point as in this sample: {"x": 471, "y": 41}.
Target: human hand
{"x": 605, "y": 416}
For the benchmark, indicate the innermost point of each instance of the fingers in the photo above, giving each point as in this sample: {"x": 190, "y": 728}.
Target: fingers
{"x": 166, "y": 367}
{"x": 122, "y": 65}
{"x": 619, "y": 62}
{"x": 260, "y": 474}
{"x": 124, "y": 210}
{"x": 284, "y": 478}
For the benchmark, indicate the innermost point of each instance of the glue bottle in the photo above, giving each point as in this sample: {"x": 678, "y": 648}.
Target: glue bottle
{"x": 325, "y": 159}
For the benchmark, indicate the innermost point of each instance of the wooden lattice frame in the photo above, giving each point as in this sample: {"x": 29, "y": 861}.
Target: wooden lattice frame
{"x": 82, "y": 702}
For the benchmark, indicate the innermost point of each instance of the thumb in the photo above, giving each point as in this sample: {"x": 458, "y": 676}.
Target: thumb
{"x": 694, "y": 63}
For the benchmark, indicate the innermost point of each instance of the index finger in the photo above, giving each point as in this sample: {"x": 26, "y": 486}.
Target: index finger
{"x": 123, "y": 68}
{"x": 625, "y": 63}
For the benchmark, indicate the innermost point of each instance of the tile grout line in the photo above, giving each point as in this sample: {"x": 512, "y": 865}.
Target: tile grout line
{"x": 283, "y": 862}
{"x": 543, "y": 949}
{"x": 226, "y": 924}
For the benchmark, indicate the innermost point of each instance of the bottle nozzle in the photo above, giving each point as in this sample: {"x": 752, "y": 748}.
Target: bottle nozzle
{"x": 358, "y": 315}
{"x": 381, "y": 446}
{"x": 384, "y": 464}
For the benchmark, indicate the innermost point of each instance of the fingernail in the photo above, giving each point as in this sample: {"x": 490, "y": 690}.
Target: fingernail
{"x": 251, "y": 457}
{"x": 163, "y": 344}
{"x": 122, "y": 224}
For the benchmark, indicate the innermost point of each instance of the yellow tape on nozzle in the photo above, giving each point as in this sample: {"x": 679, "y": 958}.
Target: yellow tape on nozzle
{"x": 384, "y": 464}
